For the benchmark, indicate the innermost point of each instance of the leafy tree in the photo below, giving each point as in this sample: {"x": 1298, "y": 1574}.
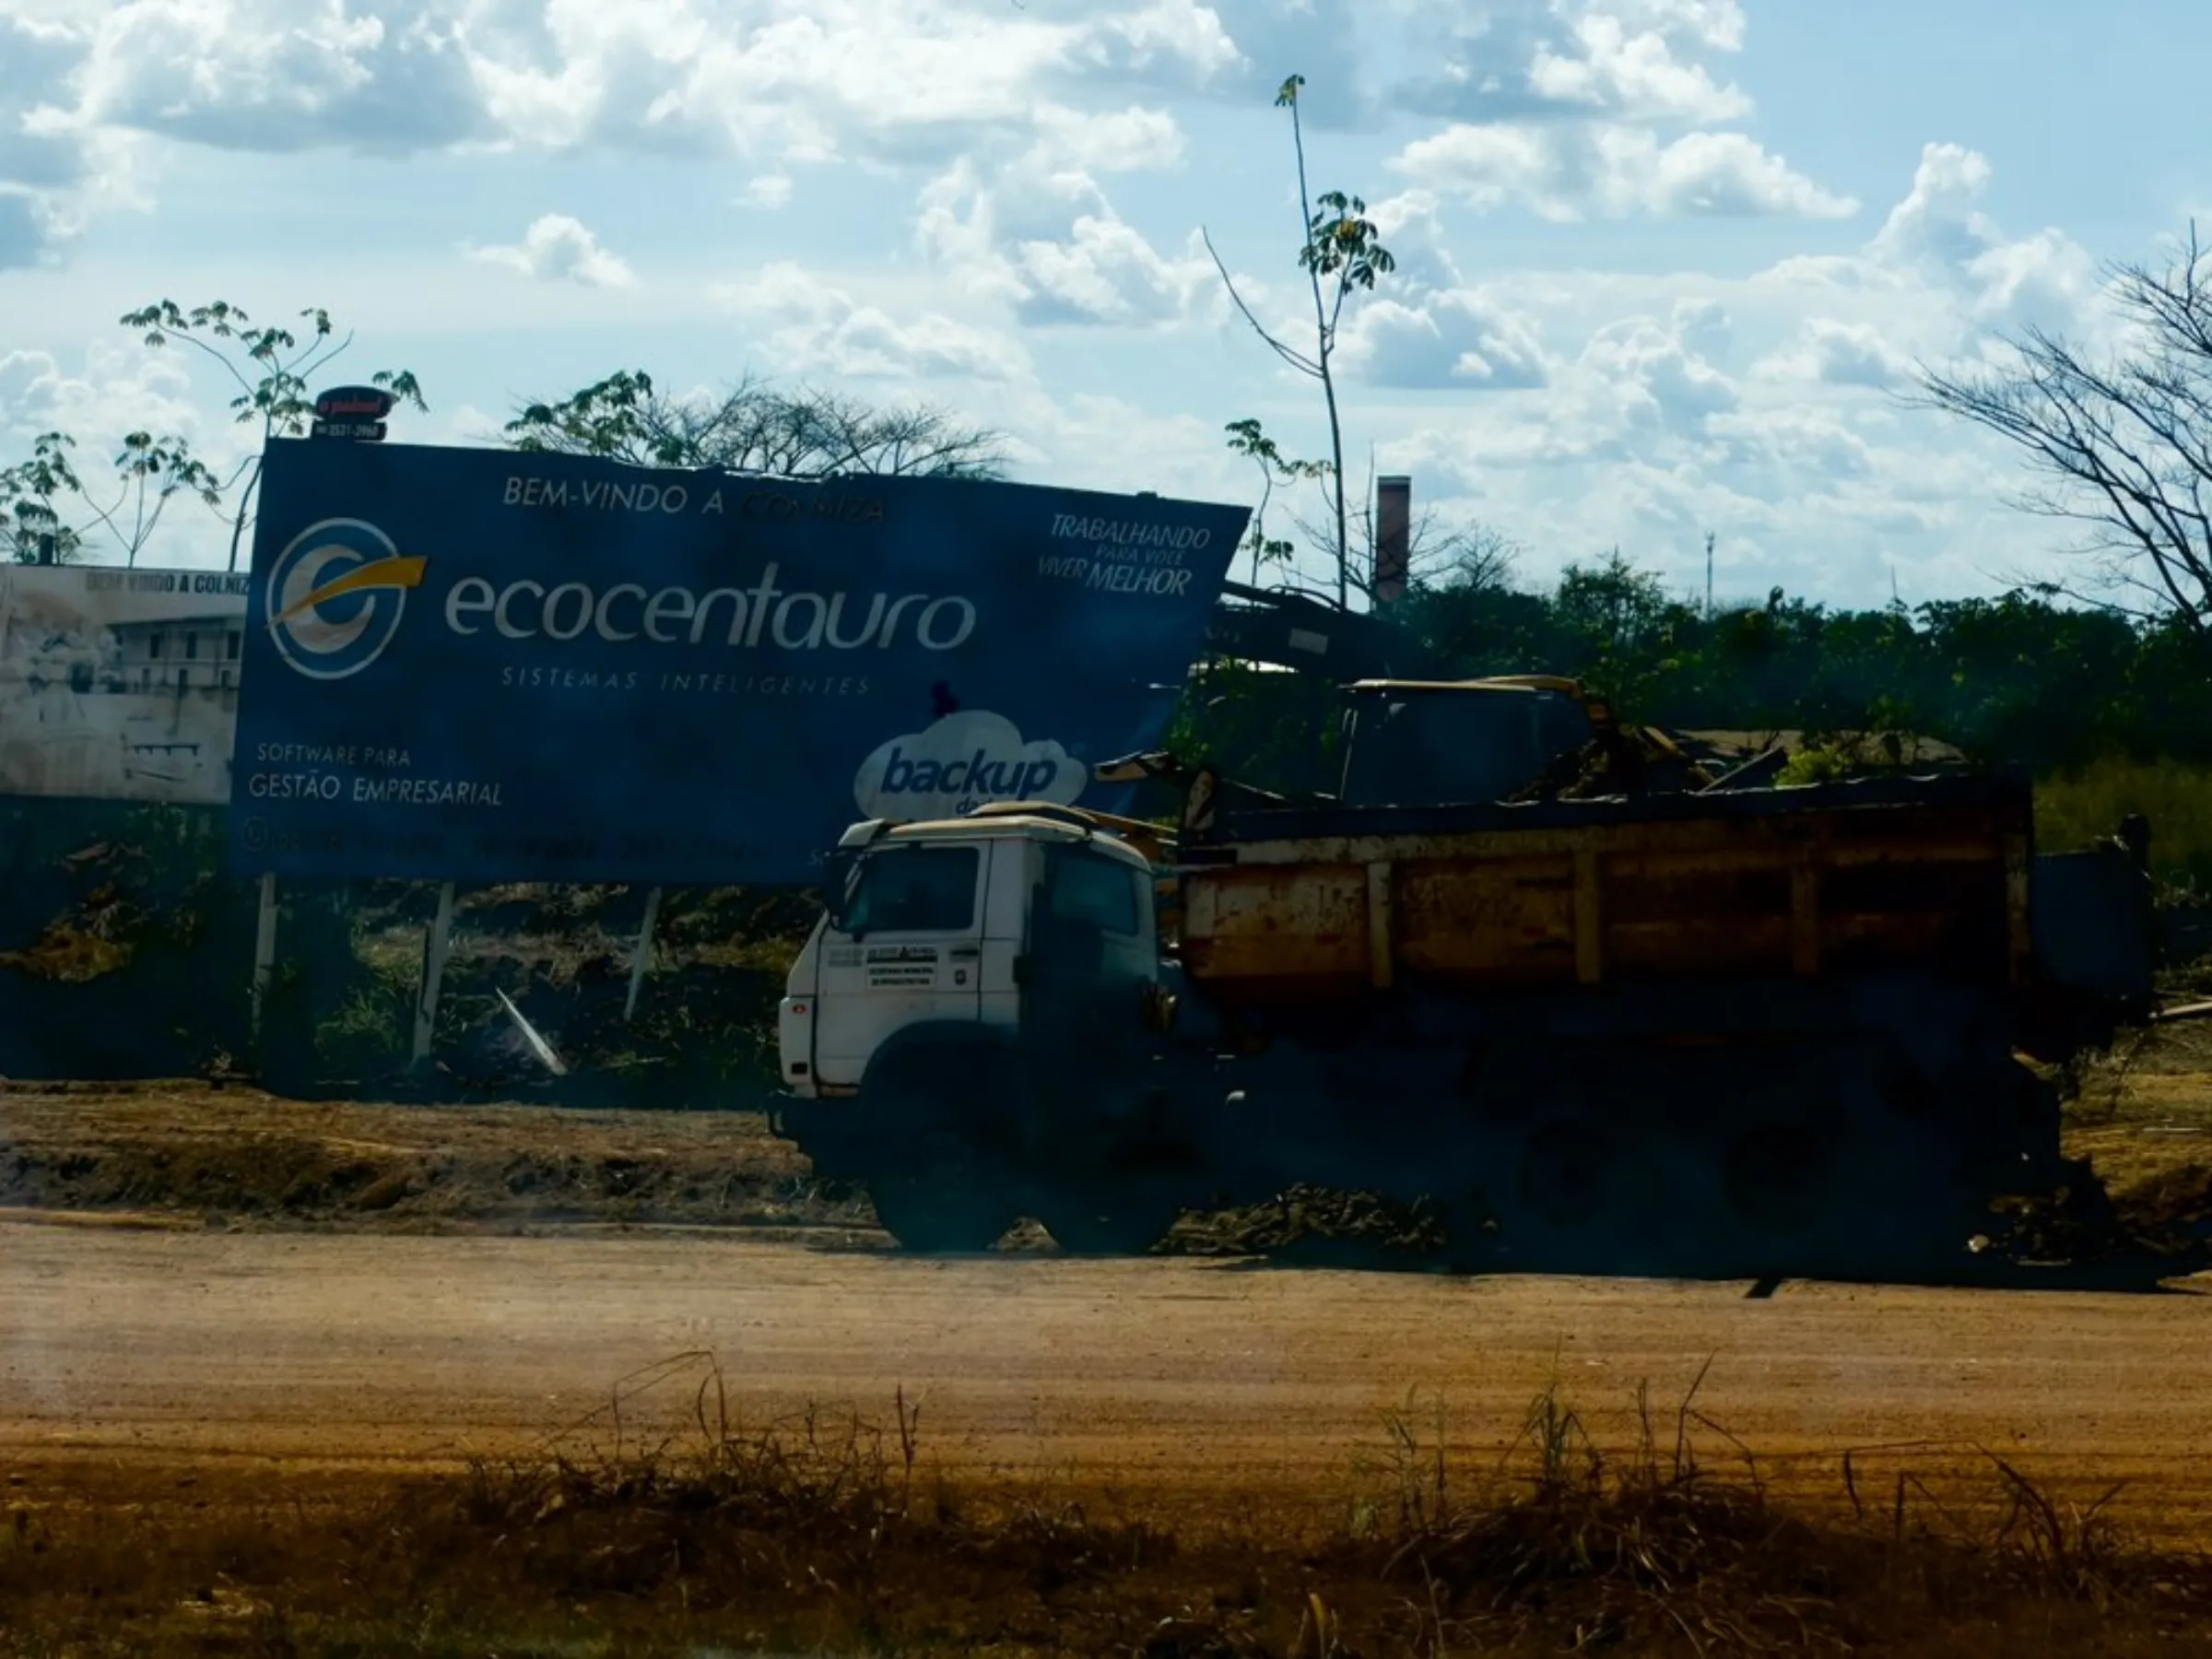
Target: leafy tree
{"x": 1621, "y": 626}
{"x": 153, "y": 470}
{"x": 752, "y": 427}
{"x": 271, "y": 367}
{"x": 1340, "y": 251}
{"x": 1246, "y": 438}
{"x": 33, "y": 528}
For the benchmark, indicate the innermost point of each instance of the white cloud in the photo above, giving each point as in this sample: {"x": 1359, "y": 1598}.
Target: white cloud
{"x": 767, "y": 190}
{"x": 1106, "y": 272}
{"x": 1938, "y": 240}
{"x": 816, "y": 329}
{"x": 1127, "y": 140}
{"x": 559, "y": 248}
{"x": 278, "y": 74}
{"x": 1455, "y": 338}
{"x": 1568, "y": 108}
{"x": 1783, "y": 454}
{"x": 1564, "y": 60}
{"x": 1940, "y": 230}
{"x": 1038, "y": 233}
{"x": 1657, "y": 376}
{"x": 1809, "y": 474}
{"x": 1837, "y": 353}
{"x": 1937, "y": 223}
{"x": 770, "y": 79}
{"x": 1559, "y": 172}
{"x": 1636, "y": 75}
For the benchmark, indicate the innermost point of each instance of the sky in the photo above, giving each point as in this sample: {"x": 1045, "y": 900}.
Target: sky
{"x": 1664, "y": 270}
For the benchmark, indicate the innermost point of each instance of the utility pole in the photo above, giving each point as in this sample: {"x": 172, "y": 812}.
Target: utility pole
{"x": 1708, "y": 575}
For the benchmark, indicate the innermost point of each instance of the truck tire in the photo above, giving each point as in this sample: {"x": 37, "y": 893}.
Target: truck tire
{"x": 1106, "y": 1224}
{"x": 940, "y": 1196}
{"x": 938, "y": 1181}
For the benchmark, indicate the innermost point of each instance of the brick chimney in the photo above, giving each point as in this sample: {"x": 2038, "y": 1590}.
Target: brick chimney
{"x": 1394, "y": 538}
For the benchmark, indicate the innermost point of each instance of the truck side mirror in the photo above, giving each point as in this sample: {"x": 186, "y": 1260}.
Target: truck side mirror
{"x": 842, "y": 871}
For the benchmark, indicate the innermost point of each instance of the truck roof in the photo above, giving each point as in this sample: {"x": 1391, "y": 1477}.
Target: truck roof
{"x": 1010, "y": 821}
{"x": 1522, "y": 683}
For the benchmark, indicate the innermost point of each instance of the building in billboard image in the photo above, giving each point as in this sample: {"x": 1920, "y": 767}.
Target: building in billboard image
{"x": 119, "y": 685}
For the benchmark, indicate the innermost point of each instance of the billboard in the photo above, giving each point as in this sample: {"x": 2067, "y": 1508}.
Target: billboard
{"x": 483, "y": 666}
{"x": 118, "y": 683}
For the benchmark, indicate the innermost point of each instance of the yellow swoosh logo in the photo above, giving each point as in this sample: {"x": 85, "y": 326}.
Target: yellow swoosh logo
{"x": 395, "y": 572}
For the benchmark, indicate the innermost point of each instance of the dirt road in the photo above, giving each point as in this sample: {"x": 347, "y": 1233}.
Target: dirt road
{"x": 121, "y": 1347}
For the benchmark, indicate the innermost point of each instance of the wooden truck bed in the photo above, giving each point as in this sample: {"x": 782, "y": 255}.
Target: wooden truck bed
{"x": 1927, "y": 874}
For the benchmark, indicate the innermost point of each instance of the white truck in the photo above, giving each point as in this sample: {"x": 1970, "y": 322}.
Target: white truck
{"x": 962, "y": 1012}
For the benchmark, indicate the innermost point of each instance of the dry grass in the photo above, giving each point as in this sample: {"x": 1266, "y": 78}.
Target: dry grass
{"x": 1652, "y": 1549}
{"x": 2074, "y": 808}
{"x": 824, "y": 1534}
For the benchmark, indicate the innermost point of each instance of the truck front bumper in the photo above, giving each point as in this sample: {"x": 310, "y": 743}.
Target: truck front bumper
{"x": 826, "y": 1131}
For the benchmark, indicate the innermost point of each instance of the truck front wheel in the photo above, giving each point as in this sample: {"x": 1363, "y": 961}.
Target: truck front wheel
{"x": 1106, "y": 1223}
{"x": 936, "y": 1174}
{"x": 940, "y": 1196}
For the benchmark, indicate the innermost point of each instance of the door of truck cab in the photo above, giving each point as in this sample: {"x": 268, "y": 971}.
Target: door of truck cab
{"x": 908, "y": 950}
{"x": 1091, "y": 945}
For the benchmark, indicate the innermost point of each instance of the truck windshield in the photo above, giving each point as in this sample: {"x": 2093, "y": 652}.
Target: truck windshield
{"x": 1419, "y": 748}
{"x": 914, "y": 889}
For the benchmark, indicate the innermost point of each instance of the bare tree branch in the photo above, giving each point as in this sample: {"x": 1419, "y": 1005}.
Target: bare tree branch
{"x": 2124, "y": 447}
{"x": 752, "y": 427}
{"x": 1296, "y": 361}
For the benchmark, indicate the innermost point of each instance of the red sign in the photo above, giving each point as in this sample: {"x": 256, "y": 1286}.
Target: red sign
{"x": 354, "y": 403}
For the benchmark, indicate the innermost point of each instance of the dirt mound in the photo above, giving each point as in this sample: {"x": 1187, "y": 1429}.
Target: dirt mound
{"x": 1316, "y": 1227}
{"x": 243, "y": 1157}
{"x": 2173, "y": 1204}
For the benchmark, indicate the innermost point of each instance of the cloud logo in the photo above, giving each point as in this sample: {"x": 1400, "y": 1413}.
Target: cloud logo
{"x": 960, "y": 762}
{"x": 335, "y": 597}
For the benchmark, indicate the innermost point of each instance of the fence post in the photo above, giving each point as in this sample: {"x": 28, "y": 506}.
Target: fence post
{"x": 642, "y": 954}
{"x": 435, "y": 947}
{"x": 265, "y": 952}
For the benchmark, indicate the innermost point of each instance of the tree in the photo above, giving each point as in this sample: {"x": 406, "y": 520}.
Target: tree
{"x": 1246, "y": 438}
{"x": 1340, "y": 249}
{"x": 1466, "y": 555}
{"x": 2125, "y": 446}
{"x": 152, "y": 471}
{"x": 33, "y": 529}
{"x": 752, "y": 427}
{"x": 1622, "y": 626}
{"x": 271, "y": 367}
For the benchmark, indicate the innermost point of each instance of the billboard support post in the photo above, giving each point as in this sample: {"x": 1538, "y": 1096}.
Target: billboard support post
{"x": 435, "y": 947}
{"x": 642, "y": 954}
{"x": 265, "y": 951}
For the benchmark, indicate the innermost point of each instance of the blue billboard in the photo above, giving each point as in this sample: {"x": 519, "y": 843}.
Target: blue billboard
{"x": 482, "y": 666}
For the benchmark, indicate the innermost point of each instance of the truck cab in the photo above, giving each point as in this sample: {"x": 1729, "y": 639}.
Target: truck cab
{"x": 965, "y": 1031}
{"x": 970, "y": 922}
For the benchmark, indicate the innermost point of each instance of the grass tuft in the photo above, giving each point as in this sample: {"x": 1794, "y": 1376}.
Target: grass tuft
{"x": 663, "y": 1524}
